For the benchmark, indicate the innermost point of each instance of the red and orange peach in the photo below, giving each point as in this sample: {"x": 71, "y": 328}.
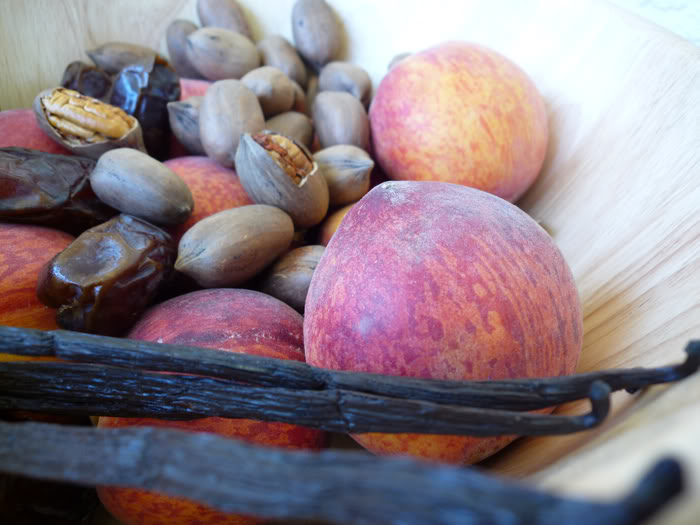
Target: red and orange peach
{"x": 230, "y": 320}
{"x": 19, "y": 128}
{"x": 437, "y": 280}
{"x": 214, "y": 188}
{"x": 460, "y": 113}
{"x": 25, "y": 251}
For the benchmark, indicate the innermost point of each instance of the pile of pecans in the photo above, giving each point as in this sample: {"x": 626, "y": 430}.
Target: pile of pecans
{"x": 266, "y": 107}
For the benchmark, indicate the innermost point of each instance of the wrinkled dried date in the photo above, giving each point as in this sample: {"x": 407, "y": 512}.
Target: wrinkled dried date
{"x": 87, "y": 80}
{"x": 50, "y": 190}
{"x": 143, "y": 89}
{"x": 102, "y": 281}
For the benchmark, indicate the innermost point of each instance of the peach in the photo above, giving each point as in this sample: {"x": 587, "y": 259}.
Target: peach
{"x": 230, "y": 320}
{"x": 213, "y": 187}
{"x": 25, "y": 250}
{"x": 437, "y": 280}
{"x": 18, "y": 128}
{"x": 460, "y": 113}
{"x": 190, "y": 87}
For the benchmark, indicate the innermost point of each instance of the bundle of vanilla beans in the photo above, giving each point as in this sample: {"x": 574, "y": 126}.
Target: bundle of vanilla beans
{"x": 121, "y": 377}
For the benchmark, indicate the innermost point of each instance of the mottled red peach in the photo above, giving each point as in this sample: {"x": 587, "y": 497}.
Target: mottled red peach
{"x": 231, "y": 320}
{"x": 214, "y": 189}
{"x": 437, "y": 280}
{"x": 25, "y": 249}
{"x": 460, "y": 113}
{"x": 190, "y": 87}
{"x": 18, "y": 128}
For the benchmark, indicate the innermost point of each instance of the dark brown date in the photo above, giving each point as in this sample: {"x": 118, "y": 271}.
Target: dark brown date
{"x": 50, "y": 190}
{"x": 143, "y": 89}
{"x": 88, "y": 80}
{"x": 102, "y": 282}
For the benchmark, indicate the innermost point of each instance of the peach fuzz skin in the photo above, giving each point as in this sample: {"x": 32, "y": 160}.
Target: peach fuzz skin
{"x": 189, "y": 87}
{"x": 18, "y": 128}
{"x": 25, "y": 250}
{"x": 437, "y": 280}
{"x": 214, "y": 189}
{"x": 460, "y": 113}
{"x": 230, "y": 320}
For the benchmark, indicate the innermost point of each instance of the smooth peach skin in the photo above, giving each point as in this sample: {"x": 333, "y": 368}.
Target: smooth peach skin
{"x": 437, "y": 280}
{"x": 25, "y": 249}
{"x": 190, "y": 87}
{"x": 231, "y": 320}
{"x": 214, "y": 189}
{"x": 18, "y": 128}
{"x": 460, "y": 113}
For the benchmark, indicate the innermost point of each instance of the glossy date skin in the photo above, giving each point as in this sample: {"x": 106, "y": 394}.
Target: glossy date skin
{"x": 49, "y": 190}
{"x": 143, "y": 89}
{"x": 103, "y": 281}
{"x": 86, "y": 79}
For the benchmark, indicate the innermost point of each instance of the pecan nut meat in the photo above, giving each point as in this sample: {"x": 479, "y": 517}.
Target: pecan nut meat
{"x": 288, "y": 154}
{"x": 278, "y": 171}
{"x": 85, "y": 125}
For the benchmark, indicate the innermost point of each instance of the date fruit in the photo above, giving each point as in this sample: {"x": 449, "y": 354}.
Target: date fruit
{"x": 102, "y": 282}
{"x": 50, "y": 190}
{"x": 87, "y": 80}
{"x": 143, "y": 89}
{"x": 112, "y": 57}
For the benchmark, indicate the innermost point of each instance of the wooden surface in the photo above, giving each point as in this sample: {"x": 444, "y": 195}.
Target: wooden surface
{"x": 619, "y": 192}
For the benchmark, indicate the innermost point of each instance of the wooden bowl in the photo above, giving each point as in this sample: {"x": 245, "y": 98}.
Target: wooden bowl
{"x": 619, "y": 191}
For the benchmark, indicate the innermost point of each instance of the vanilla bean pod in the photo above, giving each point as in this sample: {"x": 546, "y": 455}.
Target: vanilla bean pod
{"x": 515, "y": 394}
{"x": 87, "y": 389}
{"x": 338, "y": 486}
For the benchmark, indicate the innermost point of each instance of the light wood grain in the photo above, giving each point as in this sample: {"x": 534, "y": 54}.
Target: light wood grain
{"x": 620, "y": 189}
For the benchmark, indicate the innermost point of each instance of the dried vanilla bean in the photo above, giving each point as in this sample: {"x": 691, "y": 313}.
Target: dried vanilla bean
{"x": 514, "y": 394}
{"x": 338, "y": 486}
{"x": 76, "y": 388}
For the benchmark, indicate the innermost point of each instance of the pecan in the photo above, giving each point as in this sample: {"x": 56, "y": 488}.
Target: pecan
{"x": 85, "y": 125}
{"x": 295, "y": 162}
{"x": 276, "y": 170}
{"x": 85, "y": 117}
